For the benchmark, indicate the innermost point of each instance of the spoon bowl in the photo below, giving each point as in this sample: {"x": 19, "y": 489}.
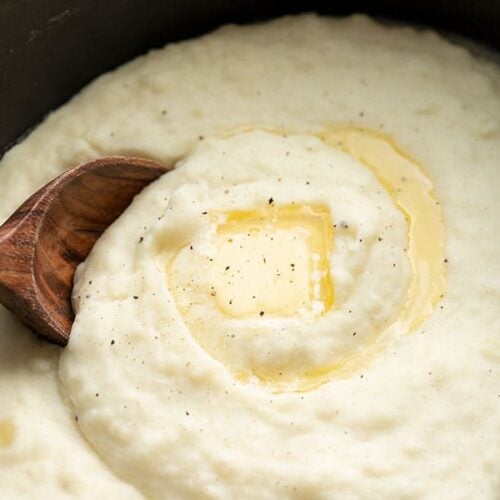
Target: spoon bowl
{"x": 45, "y": 239}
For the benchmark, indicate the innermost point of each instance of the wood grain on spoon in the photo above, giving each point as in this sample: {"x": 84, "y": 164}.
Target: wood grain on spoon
{"x": 54, "y": 230}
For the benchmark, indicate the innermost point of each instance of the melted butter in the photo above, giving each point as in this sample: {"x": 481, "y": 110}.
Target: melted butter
{"x": 413, "y": 193}
{"x": 7, "y": 433}
{"x": 273, "y": 261}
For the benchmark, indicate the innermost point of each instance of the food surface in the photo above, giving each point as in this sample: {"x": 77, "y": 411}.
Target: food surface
{"x": 306, "y": 307}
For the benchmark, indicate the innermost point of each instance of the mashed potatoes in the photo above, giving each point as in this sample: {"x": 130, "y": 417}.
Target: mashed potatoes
{"x": 282, "y": 315}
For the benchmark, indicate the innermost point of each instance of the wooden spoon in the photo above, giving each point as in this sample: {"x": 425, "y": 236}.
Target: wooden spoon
{"x": 54, "y": 230}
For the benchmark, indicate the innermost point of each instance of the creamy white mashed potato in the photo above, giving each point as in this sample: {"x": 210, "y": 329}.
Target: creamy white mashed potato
{"x": 177, "y": 382}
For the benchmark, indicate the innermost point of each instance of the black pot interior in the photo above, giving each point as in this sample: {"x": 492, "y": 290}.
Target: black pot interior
{"x": 49, "y": 49}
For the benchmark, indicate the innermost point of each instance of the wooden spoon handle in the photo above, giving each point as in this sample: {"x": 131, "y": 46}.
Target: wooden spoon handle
{"x": 54, "y": 230}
